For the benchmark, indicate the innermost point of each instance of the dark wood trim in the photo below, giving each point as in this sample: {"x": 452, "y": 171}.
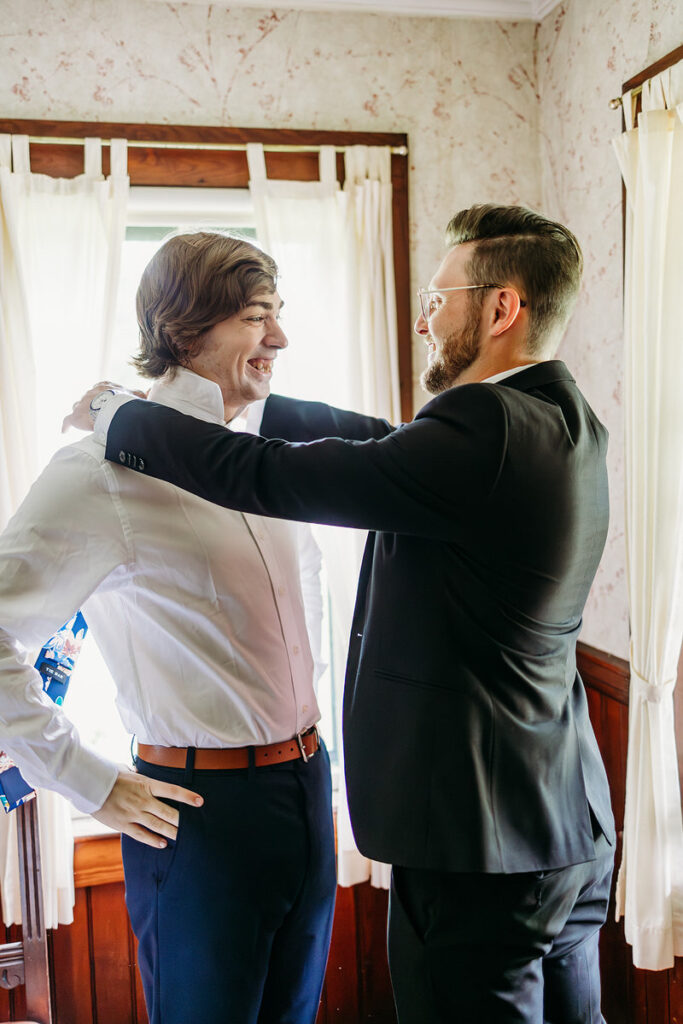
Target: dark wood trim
{"x": 604, "y": 672}
{"x": 200, "y": 168}
{"x": 660, "y": 65}
{"x": 199, "y": 133}
{"x": 228, "y": 169}
{"x": 399, "y": 182}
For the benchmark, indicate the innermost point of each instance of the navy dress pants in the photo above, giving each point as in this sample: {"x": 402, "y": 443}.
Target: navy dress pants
{"x": 234, "y": 918}
{"x": 499, "y": 949}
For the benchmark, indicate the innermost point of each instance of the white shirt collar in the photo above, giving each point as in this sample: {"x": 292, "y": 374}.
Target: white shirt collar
{"x": 187, "y": 392}
{"x": 501, "y": 376}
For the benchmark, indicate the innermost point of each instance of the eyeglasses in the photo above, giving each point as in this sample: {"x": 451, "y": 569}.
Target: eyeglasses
{"x": 428, "y": 305}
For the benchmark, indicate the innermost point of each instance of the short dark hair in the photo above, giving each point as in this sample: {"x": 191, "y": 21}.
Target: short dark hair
{"x": 192, "y": 283}
{"x": 515, "y": 245}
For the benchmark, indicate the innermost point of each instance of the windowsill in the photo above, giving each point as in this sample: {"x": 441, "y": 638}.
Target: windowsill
{"x": 97, "y": 853}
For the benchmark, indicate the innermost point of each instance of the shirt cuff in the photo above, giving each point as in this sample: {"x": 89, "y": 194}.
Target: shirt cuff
{"x": 90, "y": 789}
{"x": 109, "y": 406}
{"x": 85, "y": 777}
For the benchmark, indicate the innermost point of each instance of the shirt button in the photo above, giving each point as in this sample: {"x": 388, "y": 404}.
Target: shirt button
{"x": 295, "y": 649}
{"x": 281, "y": 591}
{"x": 304, "y": 708}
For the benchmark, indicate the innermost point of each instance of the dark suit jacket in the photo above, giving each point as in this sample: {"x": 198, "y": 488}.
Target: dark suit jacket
{"x": 468, "y": 745}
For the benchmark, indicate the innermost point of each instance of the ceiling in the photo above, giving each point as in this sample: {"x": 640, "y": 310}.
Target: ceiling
{"x": 503, "y": 10}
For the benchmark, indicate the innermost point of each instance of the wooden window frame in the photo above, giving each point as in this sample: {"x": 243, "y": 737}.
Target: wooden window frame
{"x": 227, "y": 168}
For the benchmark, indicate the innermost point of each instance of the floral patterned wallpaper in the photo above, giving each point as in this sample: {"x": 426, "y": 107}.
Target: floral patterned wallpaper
{"x": 494, "y": 111}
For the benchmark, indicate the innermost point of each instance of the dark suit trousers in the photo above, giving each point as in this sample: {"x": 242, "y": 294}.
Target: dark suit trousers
{"x": 499, "y": 949}
{"x": 233, "y": 920}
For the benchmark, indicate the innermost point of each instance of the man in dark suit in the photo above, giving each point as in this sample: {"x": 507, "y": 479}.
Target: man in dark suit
{"x": 471, "y": 762}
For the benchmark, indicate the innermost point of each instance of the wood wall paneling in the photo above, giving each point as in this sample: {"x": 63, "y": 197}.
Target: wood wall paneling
{"x": 70, "y": 966}
{"x": 376, "y": 997}
{"x": 341, "y": 980}
{"x": 114, "y": 983}
{"x": 357, "y": 984}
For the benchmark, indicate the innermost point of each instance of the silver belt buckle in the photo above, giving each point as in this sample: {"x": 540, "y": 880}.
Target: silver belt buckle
{"x": 300, "y": 740}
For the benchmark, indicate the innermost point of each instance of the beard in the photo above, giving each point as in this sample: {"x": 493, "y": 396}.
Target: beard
{"x": 458, "y": 351}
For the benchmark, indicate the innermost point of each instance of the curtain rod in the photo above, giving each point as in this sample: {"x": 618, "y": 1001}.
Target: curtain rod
{"x": 220, "y": 146}
{"x": 618, "y": 101}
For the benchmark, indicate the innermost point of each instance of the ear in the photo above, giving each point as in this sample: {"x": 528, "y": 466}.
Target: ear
{"x": 505, "y": 312}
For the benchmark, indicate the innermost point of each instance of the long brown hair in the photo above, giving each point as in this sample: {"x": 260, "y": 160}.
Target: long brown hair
{"x": 192, "y": 283}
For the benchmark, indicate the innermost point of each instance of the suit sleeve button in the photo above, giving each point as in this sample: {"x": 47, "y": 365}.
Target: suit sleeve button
{"x": 122, "y": 456}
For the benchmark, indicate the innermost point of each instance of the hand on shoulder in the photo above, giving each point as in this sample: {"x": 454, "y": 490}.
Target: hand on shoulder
{"x": 83, "y": 411}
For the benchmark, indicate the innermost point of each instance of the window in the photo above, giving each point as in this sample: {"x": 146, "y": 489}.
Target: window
{"x": 175, "y": 185}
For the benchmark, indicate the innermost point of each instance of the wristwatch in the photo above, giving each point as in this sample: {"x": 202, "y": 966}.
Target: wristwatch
{"x": 99, "y": 401}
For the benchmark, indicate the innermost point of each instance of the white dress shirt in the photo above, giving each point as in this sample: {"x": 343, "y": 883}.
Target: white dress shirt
{"x": 501, "y": 376}
{"x": 198, "y": 611}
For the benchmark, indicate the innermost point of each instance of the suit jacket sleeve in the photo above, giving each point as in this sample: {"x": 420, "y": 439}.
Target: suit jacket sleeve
{"x": 426, "y": 478}
{"x": 294, "y": 420}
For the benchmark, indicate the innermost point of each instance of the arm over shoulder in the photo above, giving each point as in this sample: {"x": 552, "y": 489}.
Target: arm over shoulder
{"x": 295, "y": 420}
{"x": 424, "y": 478}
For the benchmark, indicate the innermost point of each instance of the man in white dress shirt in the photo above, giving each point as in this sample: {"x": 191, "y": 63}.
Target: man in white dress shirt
{"x": 199, "y": 613}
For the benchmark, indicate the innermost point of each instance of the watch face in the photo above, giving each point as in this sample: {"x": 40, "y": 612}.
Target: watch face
{"x": 99, "y": 400}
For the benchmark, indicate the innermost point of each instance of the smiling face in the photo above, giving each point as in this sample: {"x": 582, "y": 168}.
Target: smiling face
{"x": 239, "y": 353}
{"x": 452, "y": 331}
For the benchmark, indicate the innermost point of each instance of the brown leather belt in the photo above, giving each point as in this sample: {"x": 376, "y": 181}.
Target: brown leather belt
{"x": 304, "y": 745}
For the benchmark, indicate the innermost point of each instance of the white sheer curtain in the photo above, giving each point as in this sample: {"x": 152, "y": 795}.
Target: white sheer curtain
{"x": 650, "y": 882}
{"x": 59, "y": 263}
{"x": 334, "y": 251}
{"x": 373, "y": 344}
